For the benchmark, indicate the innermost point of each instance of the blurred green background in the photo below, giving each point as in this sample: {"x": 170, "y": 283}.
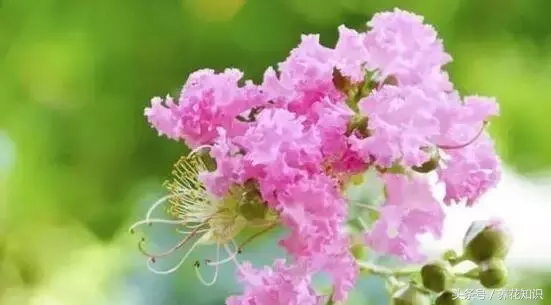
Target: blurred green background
{"x": 79, "y": 163}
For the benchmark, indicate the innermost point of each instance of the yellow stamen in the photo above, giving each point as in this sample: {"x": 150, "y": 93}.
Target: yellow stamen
{"x": 205, "y": 219}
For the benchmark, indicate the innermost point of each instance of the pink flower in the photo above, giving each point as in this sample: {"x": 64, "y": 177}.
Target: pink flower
{"x": 279, "y": 133}
{"x": 401, "y": 121}
{"x": 399, "y": 44}
{"x": 470, "y": 171}
{"x": 471, "y": 165}
{"x": 229, "y": 166}
{"x": 276, "y": 286}
{"x": 479, "y": 108}
{"x": 305, "y": 77}
{"x": 285, "y": 158}
{"x": 410, "y": 209}
{"x": 350, "y": 54}
{"x": 164, "y": 117}
{"x": 208, "y": 101}
{"x": 279, "y": 150}
{"x": 335, "y": 144}
{"x": 315, "y": 211}
{"x": 333, "y": 126}
{"x": 460, "y": 121}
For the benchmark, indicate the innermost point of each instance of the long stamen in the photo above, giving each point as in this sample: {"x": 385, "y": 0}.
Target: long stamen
{"x": 196, "y": 226}
{"x": 233, "y": 257}
{"x": 180, "y": 244}
{"x": 471, "y": 141}
{"x": 216, "y": 267}
{"x": 225, "y": 260}
{"x": 190, "y": 231}
{"x": 168, "y": 271}
{"x": 254, "y": 236}
{"x": 155, "y": 205}
{"x": 151, "y": 221}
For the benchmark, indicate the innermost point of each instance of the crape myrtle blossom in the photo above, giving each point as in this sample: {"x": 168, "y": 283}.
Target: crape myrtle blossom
{"x": 284, "y": 157}
{"x": 471, "y": 170}
{"x": 401, "y": 46}
{"x": 305, "y": 78}
{"x": 208, "y": 100}
{"x": 409, "y": 209}
{"x": 284, "y": 151}
{"x": 401, "y": 119}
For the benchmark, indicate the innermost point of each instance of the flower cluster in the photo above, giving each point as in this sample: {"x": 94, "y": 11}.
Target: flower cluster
{"x": 282, "y": 153}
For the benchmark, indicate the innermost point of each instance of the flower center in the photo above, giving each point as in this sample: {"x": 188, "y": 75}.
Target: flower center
{"x": 224, "y": 217}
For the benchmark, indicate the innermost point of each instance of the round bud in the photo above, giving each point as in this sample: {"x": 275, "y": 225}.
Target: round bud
{"x": 493, "y": 273}
{"x": 487, "y": 239}
{"x": 428, "y": 166}
{"x": 448, "y": 298}
{"x": 437, "y": 276}
{"x": 411, "y": 295}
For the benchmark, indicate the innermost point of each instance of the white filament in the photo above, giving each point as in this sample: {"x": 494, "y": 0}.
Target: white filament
{"x": 216, "y": 267}
{"x": 177, "y": 266}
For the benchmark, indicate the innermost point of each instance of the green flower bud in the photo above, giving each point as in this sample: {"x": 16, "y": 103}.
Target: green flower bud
{"x": 411, "y": 295}
{"x": 428, "y": 166}
{"x": 493, "y": 273}
{"x": 448, "y": 298}
{"x": 437, "y": 276}
{"x": 487, "y": 239}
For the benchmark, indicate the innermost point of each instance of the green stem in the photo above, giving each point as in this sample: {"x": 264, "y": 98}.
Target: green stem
{"x": 370, "y": 268}
{"x": 352, "y": 100}
{"x": 458, "y": 260}
{"x": 472, "y": 274}
{"x": 330, "y": 299}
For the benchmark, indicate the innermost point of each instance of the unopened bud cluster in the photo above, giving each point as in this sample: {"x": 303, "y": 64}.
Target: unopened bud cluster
{"x": 411, "y": 294}
{"x": 486, "y": 244}
{"x": 439, "y": 278}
